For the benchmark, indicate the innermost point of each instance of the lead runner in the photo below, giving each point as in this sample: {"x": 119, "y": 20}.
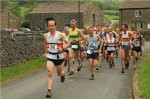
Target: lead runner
{"x": 54, "y": 53}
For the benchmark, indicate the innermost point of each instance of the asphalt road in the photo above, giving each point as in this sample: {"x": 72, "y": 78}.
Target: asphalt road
{"x": 108, "y": 84}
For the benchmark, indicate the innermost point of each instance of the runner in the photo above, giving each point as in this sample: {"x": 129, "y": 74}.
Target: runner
{"x": 54, "y": 53}
{"x": 137, "y": 47}
{"x": 117, "y": 32}
{"x": 125, "y": 38}
{"x": 92, "y": 50}
{"x": 82, "y": 48}
{"x": 75, "y": 47}
{"x": 101, "y": 34}
{"x": 110, "y": 29}
{"x": 66, "y": 52}
{"x": 111, "y": 42}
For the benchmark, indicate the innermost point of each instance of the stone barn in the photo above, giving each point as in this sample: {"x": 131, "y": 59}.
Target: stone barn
{"x": 136, "y": 13}
{"x": 90, "y": 14}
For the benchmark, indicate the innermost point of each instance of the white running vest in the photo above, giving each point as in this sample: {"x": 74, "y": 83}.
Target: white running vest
{"x": 125, "y": 36}
{"x": 54, "y": 43}
{"x": 111, "y": 47}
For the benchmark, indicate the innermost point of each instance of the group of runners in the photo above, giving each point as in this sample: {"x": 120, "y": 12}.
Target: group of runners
{"x": 95, "y": 44}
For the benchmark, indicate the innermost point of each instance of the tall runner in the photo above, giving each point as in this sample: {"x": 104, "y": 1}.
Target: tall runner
{"x": 92, "y": 50}
{"x": 54, "y": 53}
{"x": 125, "y": 38}
{"x": 75, "y": 46}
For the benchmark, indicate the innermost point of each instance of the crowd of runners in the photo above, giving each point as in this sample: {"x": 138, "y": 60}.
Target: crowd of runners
{"x": 94, "y": 44}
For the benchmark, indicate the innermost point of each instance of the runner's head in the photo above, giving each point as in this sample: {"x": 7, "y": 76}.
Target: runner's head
{"x": 66, "y": 30}
{"x": 52, "y": 25}
{"x": 98, "y": 28}
{"x": 117, "y": 30}
{"x": 138, "y": 30}
{"x": 91, "y": 31}
{"x": 73, "y": 24}
{"x": 110, "y": 34}
{"x": 95, "y": 29}
{"x": 124, "y": 27}
{"x": 110, "y": 29}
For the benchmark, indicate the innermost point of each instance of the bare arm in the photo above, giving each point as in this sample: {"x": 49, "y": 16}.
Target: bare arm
{"x": 65, "y": 40}
{"x": 45, "y": 43}
{"x": 81, "y": 36}
{"x": 132, "y": 36}
{"x": 101, "y": 43}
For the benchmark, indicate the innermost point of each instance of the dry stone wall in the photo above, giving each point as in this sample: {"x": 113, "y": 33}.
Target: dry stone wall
{"x": 20, "y": 48}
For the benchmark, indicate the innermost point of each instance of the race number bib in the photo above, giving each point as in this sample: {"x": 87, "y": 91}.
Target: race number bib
{"x": 137, "y": 43}
{"x": 53, "y": 48}
{"x": 71, "y": 40}
{"x": 89, "y": 52}
{"x": 74, "y": 46}
{"x": 91, "y": 44}
{"x": 125, "y": 43}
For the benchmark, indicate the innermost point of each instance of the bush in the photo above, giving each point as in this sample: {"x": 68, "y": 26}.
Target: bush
{"x": 25, "y": 24}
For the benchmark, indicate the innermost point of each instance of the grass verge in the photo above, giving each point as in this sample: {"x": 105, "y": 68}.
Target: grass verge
{"x": 144, "y": 77}
{"x": 21, "y": 70}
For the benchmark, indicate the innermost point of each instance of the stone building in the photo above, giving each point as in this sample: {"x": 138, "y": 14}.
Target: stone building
{"x": 135, "y": 13}
{"x": 90, "y": 14}
{"x": 9, "y": 20}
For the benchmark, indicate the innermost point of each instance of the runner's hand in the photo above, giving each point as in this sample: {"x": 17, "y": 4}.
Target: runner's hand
{"x": 131, "y": 43}
{"x": 44, "y": 55}
{"x": 99, "y": 51}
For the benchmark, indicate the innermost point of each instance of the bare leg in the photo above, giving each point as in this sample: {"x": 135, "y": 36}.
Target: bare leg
{"x": 50, "y": 69}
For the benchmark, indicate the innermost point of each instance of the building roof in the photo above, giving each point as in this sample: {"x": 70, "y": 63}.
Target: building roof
{"x": 134, "y": 4}
{"x": 60, "y": 7}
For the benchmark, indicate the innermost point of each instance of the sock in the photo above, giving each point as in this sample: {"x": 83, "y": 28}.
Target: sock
{"x": 49, "y": 89}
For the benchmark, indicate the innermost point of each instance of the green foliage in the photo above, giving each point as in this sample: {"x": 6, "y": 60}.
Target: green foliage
{"x": 25, "y": 24}
{"x": 144, "y": 77}
{"x": 111, "y": 17}
{"x": 21, "y": 9}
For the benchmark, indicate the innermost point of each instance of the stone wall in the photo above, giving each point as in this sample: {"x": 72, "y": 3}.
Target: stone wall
{"x": 20, "y": 48}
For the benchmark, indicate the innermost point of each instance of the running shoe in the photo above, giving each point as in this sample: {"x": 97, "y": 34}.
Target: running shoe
{"x": 92, "y": 77}
{"x": 62, "y": 79}
{"x": 71, "y": 72}
{"x": 49, "y": 94}
{"x": 122, "y": 71}
{"x": 79, "y": 68}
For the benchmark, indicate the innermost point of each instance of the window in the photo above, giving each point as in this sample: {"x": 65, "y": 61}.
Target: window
{"x": 137, "y": 13}
{"x": 14, "y": 20}
{"x": 148, "y": 26}
{"x": 11, "y": 20}
{"x": 139, "y": 25}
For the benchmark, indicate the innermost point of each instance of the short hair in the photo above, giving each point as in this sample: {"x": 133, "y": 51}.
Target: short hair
{"x": 66, "y": 28}
{"x": 125, "y": 25}
{"x": 90, "y": 27}
{"x": 51, "y": 19}
{"x": 73, "y": 20}
{"x": 138, "y": 29}
{"x": 97, "y": 25}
